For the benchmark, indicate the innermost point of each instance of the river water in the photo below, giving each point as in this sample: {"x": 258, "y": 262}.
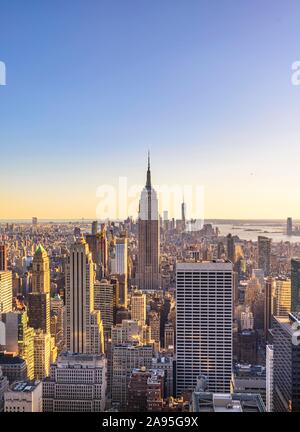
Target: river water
{"x": 250, "y": 231}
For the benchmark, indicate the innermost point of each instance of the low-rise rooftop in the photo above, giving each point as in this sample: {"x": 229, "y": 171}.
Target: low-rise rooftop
{"x": 24, "y": 386}
{"x": 10, "y": 359}
{"x": 226, "y": 402}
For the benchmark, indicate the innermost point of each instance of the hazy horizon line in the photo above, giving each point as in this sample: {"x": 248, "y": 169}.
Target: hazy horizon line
{"x": 86, "y": 219}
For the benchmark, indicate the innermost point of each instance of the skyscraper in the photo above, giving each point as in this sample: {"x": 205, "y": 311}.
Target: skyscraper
{"x": 169, "y": 337}
{"x": 204, "y": 324}
{"x": 84, "y": 325}
{"x": 154, "y": 323}
{"x": 97, "y": 243}
{"x": 230, "y": 248}
{"x": 286, "y": 358}
{"x": 39, "y": 312}
{"x": 5, "y": 291}
{"x": 282, "y": 297}
{"x": 289, "y": 226}
{"x": 3, "y": 257}
{"x": 268, "y": 306}
{"x": 58, "y": 321}
{"x": 138, "y": 306}
{"x": 19, "y": 338}
{"x": 166, "y": 220}
{"x": 93, "y": 241}
{"x": 295, "y": 279}
{"x": 183, "y": 215}
{"x": 183, "y": 207}
{"x": 220, "y": 250}
{"x": 269, "y": 378}
{"x": 42, "y": 354}
{"x": 114, "y": 280}
{"x": 39, "y": 298}
{"x": 105, "y": 303}
{"x": 148, "y": 238}
{"x": 40, "y": 271}
{"x": 120, "y": 262}
{"x": 264, "y": 254}
{"x": 119, "y": 266}
{"x": 94, "y": 228}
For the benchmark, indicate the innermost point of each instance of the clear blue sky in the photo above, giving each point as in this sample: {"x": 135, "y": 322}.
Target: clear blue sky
{"x": 205, "y": 84}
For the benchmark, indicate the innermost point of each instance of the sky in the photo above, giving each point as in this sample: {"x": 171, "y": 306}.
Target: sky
{"x": 204, "y": 84}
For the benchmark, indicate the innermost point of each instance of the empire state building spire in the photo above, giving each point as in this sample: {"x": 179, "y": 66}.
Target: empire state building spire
{"x": 148, "y": 183}
{"x": 148, "y": 272}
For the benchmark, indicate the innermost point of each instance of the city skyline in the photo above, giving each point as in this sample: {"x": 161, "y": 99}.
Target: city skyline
{"x": 115, "y": 80}
{"x": 149, "y": 219}
{"x": 199, "y": 337}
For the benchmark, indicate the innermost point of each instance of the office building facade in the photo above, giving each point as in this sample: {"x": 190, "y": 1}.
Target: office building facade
{"x": 5, "y": 291}
{"x": 295, "y": 284}
{"x": 286, "y": 363}
{"x": 204, "y": 324}
{"x": 77, "y": 382}
{"x": 127, "y": 357}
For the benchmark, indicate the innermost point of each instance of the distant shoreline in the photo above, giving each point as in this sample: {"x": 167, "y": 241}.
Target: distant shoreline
{"x": 213, "y": 221}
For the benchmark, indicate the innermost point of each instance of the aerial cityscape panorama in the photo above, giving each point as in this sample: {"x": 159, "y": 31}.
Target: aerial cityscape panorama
{"x": 149, "y": 213}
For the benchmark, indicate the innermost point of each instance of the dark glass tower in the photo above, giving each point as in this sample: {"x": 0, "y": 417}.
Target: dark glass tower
{"x": 230, "y": 248}
{"x": 3, "y": 257}
{"x": 264, "y": 254}
{"x": 289, "y": 226}
{"x": 39, "y": 298}
{"x": 286, "y": 363}
{"x": 295, "y": 280}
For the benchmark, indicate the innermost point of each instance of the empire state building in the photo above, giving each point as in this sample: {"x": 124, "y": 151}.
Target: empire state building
{"x": 148, "y": 236}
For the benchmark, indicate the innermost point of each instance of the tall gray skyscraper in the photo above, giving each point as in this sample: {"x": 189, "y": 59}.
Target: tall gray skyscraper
{"x": 5, "y": 291}
{"x": 94, "y": 228}
{"x": 148, "y": 235}
{"x": 183, "y": 215}
{"x": 105, "y": 302}
{"x": 230, "y": 248}
{"x": 3, "y": 257}
{"x": 84, "y": 325}
{"x": 289, "y": 226}
{"x": 39, "y": 298}
{"x": 286, "y": 355}
{"x": 264, "y": 254}
{"x": 204, "y": 292}
{"x": 295, "y": 284}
